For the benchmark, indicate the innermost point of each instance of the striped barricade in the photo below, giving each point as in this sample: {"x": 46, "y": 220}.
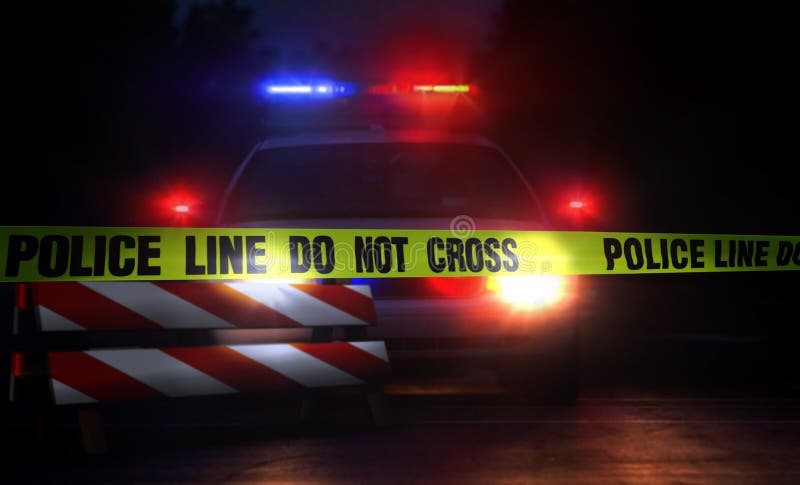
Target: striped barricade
{"x": 78, "y": 306}
{"x": 76, "y": 375}
{"x": 136, "y": 374}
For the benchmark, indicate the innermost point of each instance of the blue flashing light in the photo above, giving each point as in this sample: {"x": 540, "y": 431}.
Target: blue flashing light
{"x": 289, "y": 89}
{"x": 320, "y": 89}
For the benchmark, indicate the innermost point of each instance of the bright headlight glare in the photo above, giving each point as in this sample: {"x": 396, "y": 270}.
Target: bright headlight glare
{"x": 528, "y": 291}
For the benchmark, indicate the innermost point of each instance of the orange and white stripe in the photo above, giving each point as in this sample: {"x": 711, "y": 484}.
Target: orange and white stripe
{"x": 79, "y": 306}
{"x": 138, "y": 374}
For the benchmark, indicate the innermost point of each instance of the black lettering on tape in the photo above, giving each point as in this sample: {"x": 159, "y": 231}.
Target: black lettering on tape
{"x": 53, "y": 255}
{"x": 678, "y": 262}
{"x": 326, "y": 266}
{"x": 253, "y": 253}
{"x": 300, "y": 252}
{"x": 436, "y": 264}
{"x": 192, "y": 268}
{"x": 99, "y": 256}
{"x": 146, "y": 253}
{"x": 21, "y": 247}
{"x": 493, "y": 261}
{"x": 612, "y": 249}
{"x": 231, "y": 254}
{"x": 718, "y": 261}
{"x": 633, "y": 253}
{"x": 211, "y": 254}
{"x": 762, "y": 249}
{"x": 473, "y": 252}
{"x": 696, "y": 251}
{"x": 788, "y": 254}
{"x": 76, "y": 267}
{"x": 365, "y": 258}
{"x": 399, "y": 242}
{"x": 648, "y": 255}
{"x": 664, "y": 253}
{"x": 382, "y": 253}
{"x": 511, "y": 263}
{"x": 454, "y": 248}
{"x": 117, "y": 266}
{"x": 745, "y": 256}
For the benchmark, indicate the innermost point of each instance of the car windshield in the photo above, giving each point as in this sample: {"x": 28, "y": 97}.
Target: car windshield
{"x": 380, "y": 180}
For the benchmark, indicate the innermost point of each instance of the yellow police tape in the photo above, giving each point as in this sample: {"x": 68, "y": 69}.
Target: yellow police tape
{"x": 132, "y": 253}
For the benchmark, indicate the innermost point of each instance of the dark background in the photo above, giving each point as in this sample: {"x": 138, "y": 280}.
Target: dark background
{"x": 678, "y": 116}
{"x": 671, "y": 116}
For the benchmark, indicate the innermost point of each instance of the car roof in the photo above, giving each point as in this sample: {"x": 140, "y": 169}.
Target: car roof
{"x": 376, "y": 135}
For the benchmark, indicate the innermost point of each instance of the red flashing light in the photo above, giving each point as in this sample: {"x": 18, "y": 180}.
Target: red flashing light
{"x": 577, "y": 204}
{"x": 179, "y": 207}
{"x": 406, "y": 88}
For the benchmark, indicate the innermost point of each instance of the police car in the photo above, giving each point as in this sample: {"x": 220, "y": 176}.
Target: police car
{"x": 514, "y": 333}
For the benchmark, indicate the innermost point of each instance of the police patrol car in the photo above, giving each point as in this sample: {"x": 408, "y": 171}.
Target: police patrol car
{"x": 398, "y": 156}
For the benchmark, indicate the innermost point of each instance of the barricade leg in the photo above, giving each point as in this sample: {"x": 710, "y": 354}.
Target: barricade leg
{"x": 308, "y": 406}
{"x": 35, "y": 391}
{"x": 42, "y": 425}
{"x": 376, "y": 401}
{"x": 306, "y": 410}
{"x": 92, "y": 434}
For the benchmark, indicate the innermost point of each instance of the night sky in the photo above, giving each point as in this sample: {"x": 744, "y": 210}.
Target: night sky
{"x": 295, "y": 26}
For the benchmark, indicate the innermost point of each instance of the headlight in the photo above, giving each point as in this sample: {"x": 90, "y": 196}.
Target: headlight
{"x": 528, "y": 291}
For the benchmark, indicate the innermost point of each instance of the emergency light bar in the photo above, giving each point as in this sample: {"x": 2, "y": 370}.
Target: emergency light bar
{"x": 328, "y": 89}
{"x": 319, "y": 102}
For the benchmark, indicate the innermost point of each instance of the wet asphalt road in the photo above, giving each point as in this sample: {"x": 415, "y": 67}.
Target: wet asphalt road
{"x": 625, "y": 436}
